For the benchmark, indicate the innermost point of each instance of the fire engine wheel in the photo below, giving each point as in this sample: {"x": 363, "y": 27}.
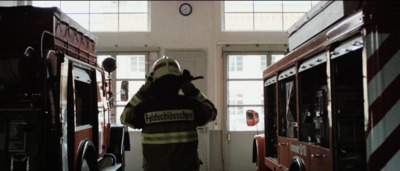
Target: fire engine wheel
{"x": 296, "y": 164}
{"x": 87, "y": 159}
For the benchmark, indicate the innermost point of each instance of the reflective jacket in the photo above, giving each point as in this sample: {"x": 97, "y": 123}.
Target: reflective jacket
{"x": 169, "y": 135}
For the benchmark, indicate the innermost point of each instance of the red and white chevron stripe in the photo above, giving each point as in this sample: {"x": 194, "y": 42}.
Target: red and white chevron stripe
{"x": 382, "y": 50}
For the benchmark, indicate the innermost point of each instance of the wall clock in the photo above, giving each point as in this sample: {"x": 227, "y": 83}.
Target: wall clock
{"x": 185, "y": 9}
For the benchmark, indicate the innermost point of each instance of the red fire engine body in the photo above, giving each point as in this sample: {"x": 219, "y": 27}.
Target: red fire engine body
{"x": 332, "y": 103}
{"x": 55, "y": 102}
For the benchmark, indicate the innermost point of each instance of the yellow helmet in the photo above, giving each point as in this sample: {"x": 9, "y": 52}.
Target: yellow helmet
{"x": 166, "y": 66}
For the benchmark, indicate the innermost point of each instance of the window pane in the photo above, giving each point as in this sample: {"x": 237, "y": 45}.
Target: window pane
{"x": 290, "y": 18}
{"x": 248, "y": 67}
{"x": 267, "y": 6}
{"x": 276, "y": 58}
{"x": 133, "y": 6}
{"x": 133, "y": 22}
{"x": 82, "y": 19}
{"x": 245, "y": 92}
{"x": 103, "y": 22}
{"x": 238, "y": 21}
{"x": 268, "y": 21}
{"x": 124, "y": 68}
{"x": 104, "y": 6}
{"x": 46, "y": 3}
{"x": 134, "y": 86}
{"x": 75, "y": 6}
{"x": 237, "y": 119}
{"x": 238, "y": 6}
{"x": 296, "y": 6}
{"x": 137, "y": 64}
{"x": 263, "y": 63}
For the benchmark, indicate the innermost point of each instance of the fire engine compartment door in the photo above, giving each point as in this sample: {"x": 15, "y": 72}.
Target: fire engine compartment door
{"x": 287, "y": 90}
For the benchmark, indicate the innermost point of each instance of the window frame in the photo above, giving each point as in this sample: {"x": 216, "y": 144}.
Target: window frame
{"x": 118, "y": 14}
{"x": 253, "y": 13}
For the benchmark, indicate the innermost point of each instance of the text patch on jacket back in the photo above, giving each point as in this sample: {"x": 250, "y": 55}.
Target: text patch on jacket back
{"x": 169, "y": 116}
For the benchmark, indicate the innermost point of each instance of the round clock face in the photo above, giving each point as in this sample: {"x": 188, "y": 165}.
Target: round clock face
{"x": 185, "y": 9}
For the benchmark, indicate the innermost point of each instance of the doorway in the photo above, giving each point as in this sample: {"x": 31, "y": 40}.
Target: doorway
{"x": 195, "y": 62}
{"x": 244, "y": 90}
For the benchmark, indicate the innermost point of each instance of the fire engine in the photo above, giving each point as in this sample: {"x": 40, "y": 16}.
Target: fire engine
{"x": 332, "y": 103}
{"x": 55, "y": 99}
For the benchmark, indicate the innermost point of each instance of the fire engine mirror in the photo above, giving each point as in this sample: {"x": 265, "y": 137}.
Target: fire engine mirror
{"x": 109, "y": 64}
{"x": 252, "y": 117}
{"x": 124, "y": 91}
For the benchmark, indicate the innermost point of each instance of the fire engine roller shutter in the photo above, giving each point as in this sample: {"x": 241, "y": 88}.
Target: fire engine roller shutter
{"x": 81, "y": 75}
{"x": 270, "y": 81}
{"x": 287, "y": 73}
{"x": 347, "y": 47}
{"x": 312, "y": 62}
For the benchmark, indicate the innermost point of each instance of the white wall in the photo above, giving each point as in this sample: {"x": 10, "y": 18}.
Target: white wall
{"x": 200, "y": 30}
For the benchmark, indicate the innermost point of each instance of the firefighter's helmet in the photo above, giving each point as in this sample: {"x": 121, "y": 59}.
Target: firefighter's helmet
{"x": 166, "y": 66}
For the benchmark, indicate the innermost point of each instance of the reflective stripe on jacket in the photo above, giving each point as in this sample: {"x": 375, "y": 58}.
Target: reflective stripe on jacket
{"x": 167, "y": 138}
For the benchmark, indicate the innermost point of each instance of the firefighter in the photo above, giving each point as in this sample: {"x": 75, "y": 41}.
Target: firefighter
{"x": 168, "y": 120}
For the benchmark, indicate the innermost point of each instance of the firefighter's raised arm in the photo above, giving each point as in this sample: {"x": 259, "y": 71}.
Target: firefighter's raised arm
{"x": 210, "y": 112}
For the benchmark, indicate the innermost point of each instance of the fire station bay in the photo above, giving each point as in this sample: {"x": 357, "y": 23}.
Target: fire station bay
{"x": 199, "y": 85}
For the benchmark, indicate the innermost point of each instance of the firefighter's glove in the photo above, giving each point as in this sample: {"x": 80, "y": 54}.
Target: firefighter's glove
{"x": 150, "y": 78}
{"x": 189, "y": 89}
{"x": 186, "y": 76}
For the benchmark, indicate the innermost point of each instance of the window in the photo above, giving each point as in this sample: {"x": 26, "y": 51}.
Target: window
{"x": 105, "y": 16}
{"x": 263, "y": 63}
{"x": 263, "y": 15}
{"x": 244, "y": 82}
{"x": 137, "y": 63}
